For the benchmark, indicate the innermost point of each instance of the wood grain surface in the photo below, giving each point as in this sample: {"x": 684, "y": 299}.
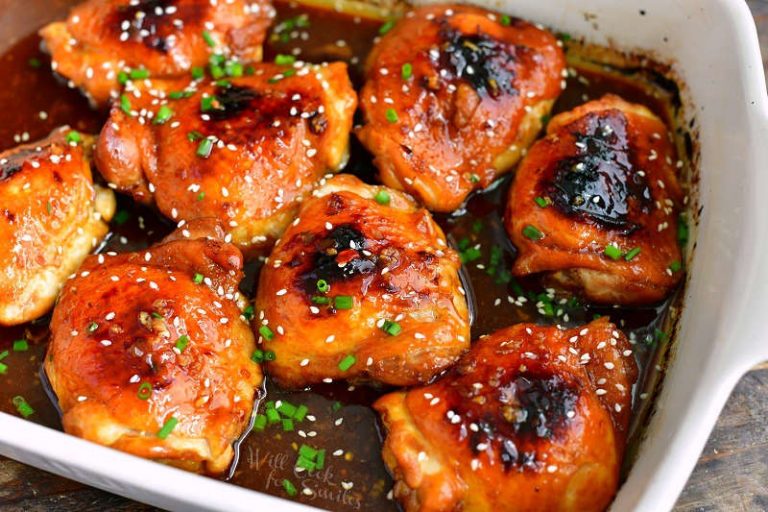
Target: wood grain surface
{"x": 731, "y": 474}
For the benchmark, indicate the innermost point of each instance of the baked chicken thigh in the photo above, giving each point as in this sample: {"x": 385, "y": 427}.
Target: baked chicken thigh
{"x": 246, "y": 151}
{"x": 361, "y": 287}
{"x": 149, "y": 353}
{"x": 532, "y": 419}
{"x": 595, "y": 204}
{"x": 103, "y": 43}
{"x": 51, "y": 217}
{"x": 453, "y": 96}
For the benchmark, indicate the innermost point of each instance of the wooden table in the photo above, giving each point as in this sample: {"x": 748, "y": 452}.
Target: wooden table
{"x": 731, "y": 475}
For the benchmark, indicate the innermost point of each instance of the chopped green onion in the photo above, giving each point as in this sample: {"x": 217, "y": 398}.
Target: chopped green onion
{"x": 266, "y": 333}
{"x": 285, "y": 60}
{"x": 391, "y": 115}
{"x": 204, "y": 148}
{"x": 92, "y": 327}
{"x": 532, "y": 233}
{"x": 182, "y": 342}
{"x": 198, "y": 278}
{"x": 233, "y": 68}
{"x": 3, "y": 369}
{"x": 632, "y": 254}
{"x": 4, "y": 354}
{"x": 248, "y": 312}
{"x": 505, "y": 20}
{"x": 163, "y": 115}
{"x": 287, "y": 425}
{"x": 272, "y": 416}
{"x": 198, "y": 72}
{"x": 122, "y": 78}
{"x": 347, "y": 362}
{"x": 194, "y": 135}
{"x": 290, "y": 489}
{"x": 542, "y": 201}
{"x": 22, "y": 406}
{"x": 319, "y": 299}
{"x": 386, "y": 27}
{"x": 675, "y": 266}
{"x": 125, "y": 104}
{"x": 139, "y": 74}
{"x": 20, "y": 346}
{"x": 73, "y": 137}
{"x": 121, "y": 217}
{"x": 320, "y": 459}
{"x": 209, "y": 39}
{"x": 34, "y": 62}
{"x": 177, "y": 95}
{"x": 307, "y": 452}
{"x": 287, "y": 409}
{"x": 323, "y": 286}
{"x": 168, "y": 427}
{"x": 391, "y": 327}
{"x": 682, "y": 230}
{"x": 269, "y": 355}
{"x": 145, "y": 391}
{"x": 382, "y": 197}
{"x": 301, "y": 413}
{"x": 200, "y": 196}
{"x": 612, "y": 252}
{"x": 470, "y": 254}
{"x": 260, "y": 423}
{"x": 343, "y": 302}
{"x": 258, "y": 356}
{"x": 206, "y": 103}
{"x": 406, "y": 70}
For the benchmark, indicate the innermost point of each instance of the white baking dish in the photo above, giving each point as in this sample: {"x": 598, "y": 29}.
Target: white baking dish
{"x": 713, "y": 47}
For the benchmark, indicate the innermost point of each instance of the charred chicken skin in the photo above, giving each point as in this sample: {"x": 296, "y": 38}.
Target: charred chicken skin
{"x": 104, "y": 43}
{"x": 149, "y": 353}
{"x": 361, "y": 287}
{"x": 51, "y": 217}
{"x": 453, "y": 96}
{"x": 595, "y": 204}
{"x": 245, "y": 152}
{"x": 531, "y": 419}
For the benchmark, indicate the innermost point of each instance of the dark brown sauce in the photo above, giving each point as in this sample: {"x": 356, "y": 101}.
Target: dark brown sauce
{"x": 354, "y": 476}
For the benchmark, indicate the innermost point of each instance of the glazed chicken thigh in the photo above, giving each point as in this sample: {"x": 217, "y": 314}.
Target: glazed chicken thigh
{"x": 361, "y": 287}
{"x": 595, "y": 204}
{"x": 246, "y": 152}
{"x": 149, "y": 353}
{"x": 103, "y": 43}
{"x": 453, "y": 96}
{"x": 51, "y": 217}
{"x": 532, "y": 419}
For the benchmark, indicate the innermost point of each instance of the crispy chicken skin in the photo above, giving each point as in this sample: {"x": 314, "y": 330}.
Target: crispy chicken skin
{"x": 406, "y": 318}
{"x": 454, "y": 94}
{"x": 271, "y": 140}
{"x": 533, "y": 418}
{"x": 102, "y": 38}
{"x": 51, "y": 217}
{"x": 142, "y": 339}
{"x": 606, "y": 175}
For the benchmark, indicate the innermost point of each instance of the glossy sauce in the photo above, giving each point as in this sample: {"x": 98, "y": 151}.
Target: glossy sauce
{"x": 340, "y": 419}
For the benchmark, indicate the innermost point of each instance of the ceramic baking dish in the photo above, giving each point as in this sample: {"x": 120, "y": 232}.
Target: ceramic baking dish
{"x": 712, "y": 46}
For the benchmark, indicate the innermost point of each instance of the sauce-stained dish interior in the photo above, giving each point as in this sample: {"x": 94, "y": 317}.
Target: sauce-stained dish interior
{"x": 459, "y": 296}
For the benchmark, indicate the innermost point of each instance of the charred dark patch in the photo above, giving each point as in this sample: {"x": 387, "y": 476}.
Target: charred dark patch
{"x": 146, "y": 21}
{"x": 339, "y": 256}
{"x": 9, "y": 169}
{"x": 318, "y": 123}
{"x": 9, "y": 215}
{"x": 599, "y": 183}
{"x": 485, "y": 63}
{"x": 57, "y": 177}
{"x": 515, "y": 415}
{"x": 232, "y": 101}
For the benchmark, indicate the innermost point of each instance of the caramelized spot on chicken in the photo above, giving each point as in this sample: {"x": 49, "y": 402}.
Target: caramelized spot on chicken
{"x": 246, "y": 151}
{"x": 453, "y": 96}
{"x": 532, "y": 418}
{"x": 150, "y": 355}
{"x": 595, "y": 204}
{"x": 168, "y": 38}
{"x": 51, "y": 217}
{"x": 361, "y": 287}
